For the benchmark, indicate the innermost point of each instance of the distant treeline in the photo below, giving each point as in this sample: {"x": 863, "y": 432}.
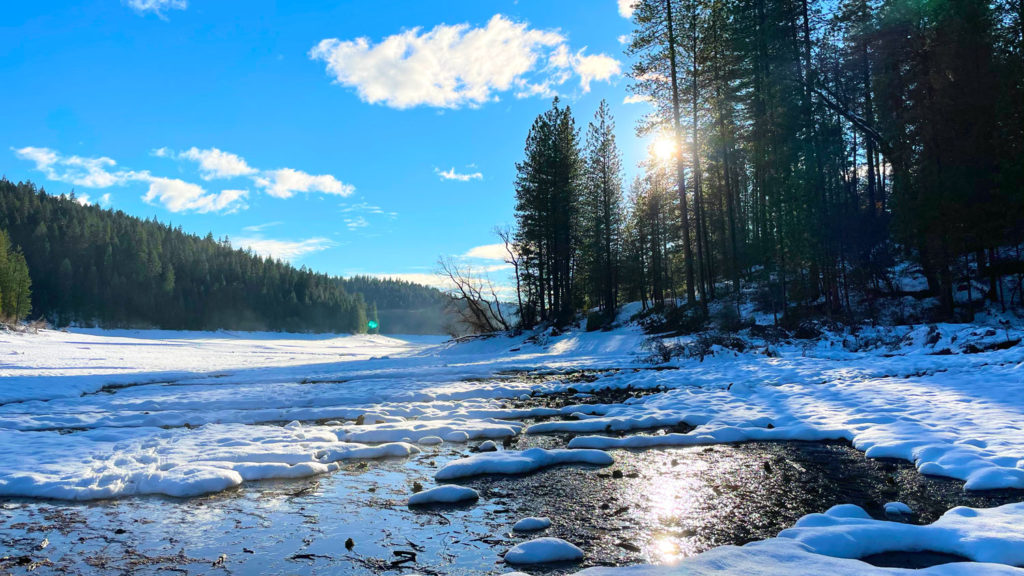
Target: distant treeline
{"x": 401, "y": 307}
{"x": 91, "y": 266}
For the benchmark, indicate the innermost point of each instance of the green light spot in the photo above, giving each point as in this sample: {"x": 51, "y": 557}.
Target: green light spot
{"x": 372, "y": 324}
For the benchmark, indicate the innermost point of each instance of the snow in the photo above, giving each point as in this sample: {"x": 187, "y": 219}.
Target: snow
{"x": 447, "y": 494}
{"x": 531, "y": 524}
{"x": 542, "y": 551}
{"x": 516, "y": 462}
{"x": 93, "y": 414}
{"x": 897, "y": 509}
{"x": 833, "y": 542}
{"x": 487, "y": 446}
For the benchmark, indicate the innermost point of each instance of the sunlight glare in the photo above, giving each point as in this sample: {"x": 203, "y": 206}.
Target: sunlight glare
{"x": 664, "y": 148}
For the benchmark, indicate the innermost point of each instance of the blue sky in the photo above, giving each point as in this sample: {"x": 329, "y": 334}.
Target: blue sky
{"x": 350, "y": 137}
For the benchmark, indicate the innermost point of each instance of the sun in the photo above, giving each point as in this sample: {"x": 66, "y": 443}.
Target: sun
{"x": 663, "y": 148}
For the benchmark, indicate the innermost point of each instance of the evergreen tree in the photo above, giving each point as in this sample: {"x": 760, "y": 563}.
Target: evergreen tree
{"x": 601, "y": 213}
{"x": 548, "y": 191}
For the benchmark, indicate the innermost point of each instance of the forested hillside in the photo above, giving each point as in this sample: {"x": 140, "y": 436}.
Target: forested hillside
{"x": 805, "y": 149}
{"x": 92, "y": 266}
{"x": 401, "y": 307}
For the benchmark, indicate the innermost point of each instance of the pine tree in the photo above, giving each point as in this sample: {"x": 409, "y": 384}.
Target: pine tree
{"x": 548, "y": 190}
{"x": 601, "y": 212}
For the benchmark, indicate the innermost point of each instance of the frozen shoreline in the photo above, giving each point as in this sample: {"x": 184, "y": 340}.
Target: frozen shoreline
{"x": 212, "y": 411}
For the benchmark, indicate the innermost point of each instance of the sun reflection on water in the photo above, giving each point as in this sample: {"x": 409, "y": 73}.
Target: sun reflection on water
{"x": 671, "y": 495}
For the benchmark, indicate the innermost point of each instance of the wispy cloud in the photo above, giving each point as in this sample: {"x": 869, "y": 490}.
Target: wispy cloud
{"x": 451, "y": 174}
{"x": 487, "y": 252}
{"x": 261, "y": 227}
{"x": 356, "y": 223}
{"x": 157, "y": 7}
{"x": 288, "y": 250}
{"x": 452, "y": 66}
{"x": 424, "y": 278}
{"x": 101, "y": 172}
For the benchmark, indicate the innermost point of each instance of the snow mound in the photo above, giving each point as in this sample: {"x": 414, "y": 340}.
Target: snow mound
{"x": 897, "y": 509}
{"x": 458, "y": 436}
{"x": 487, "y": 446}
{"x": 531, "y": 524}
{"x": 515, "y": 462}
{"x": 447, "y": 494}
{"x": 430, "y": 440}
{"x": 542, "y": 551}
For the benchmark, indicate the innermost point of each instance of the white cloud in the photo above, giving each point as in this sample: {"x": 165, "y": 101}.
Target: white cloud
{"x": 636, "y": 99}
{"x": 356, "y": 223}
{"x": 283, "y": 249}
{"x": 77, "y": 170}
{"x": 625, "y": 39}
{"x": 423, "y": 278}
{"x": 504, "y": 290}
{"x": 215, "y": 163}
{"x": 285, "y": 182}
{"x": 451, "y": 174}
{"x": 86, "y": 199}
{"x": 595, "y": 67}
{"x": 180, "y": 196}
{"x": 487, "y": 252}
{"x": 176, "y": 195}
{"x": 626, "y": 8}
{"x": 157, "y": 7}
{"x": 451, "y": 66}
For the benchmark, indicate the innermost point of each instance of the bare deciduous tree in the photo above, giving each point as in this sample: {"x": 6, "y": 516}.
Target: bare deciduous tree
{"x": 472, "y": 298}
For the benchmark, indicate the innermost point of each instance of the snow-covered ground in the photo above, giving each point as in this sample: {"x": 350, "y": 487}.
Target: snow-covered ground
{"x": 92, "y": 414}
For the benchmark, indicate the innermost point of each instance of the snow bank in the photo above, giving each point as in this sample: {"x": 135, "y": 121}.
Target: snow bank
{"x": 450, "y": 430}
{"x": 832, "y": 543}
{"x": 531, "y": 524}
{"x": 613, "y": 424}
{"x": 708, "y": 435}
{"x": 542, "y": 551}
{"x": 182, "y": 462}
{"x": 448, "y": 494}
{"x": 515, "y": 462}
